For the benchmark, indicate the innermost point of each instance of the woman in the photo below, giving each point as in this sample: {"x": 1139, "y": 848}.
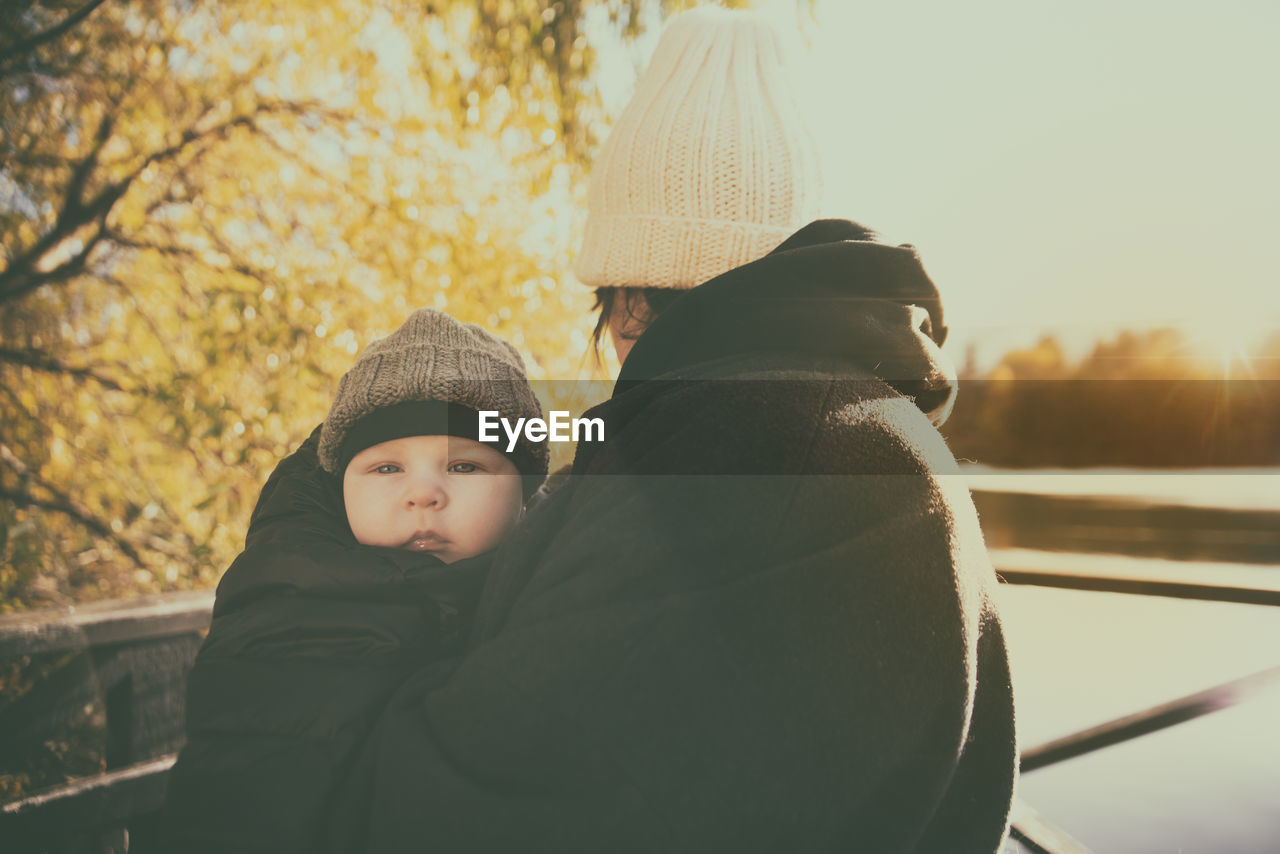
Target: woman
{"x": 755, "y": 618}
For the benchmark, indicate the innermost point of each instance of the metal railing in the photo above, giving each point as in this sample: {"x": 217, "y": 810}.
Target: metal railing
{"x": 1037, "y": 833}
{"x": 1119, "y": 545}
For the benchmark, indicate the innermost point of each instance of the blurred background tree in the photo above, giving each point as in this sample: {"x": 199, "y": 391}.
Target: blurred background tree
{"x": 208, "y": 208}
{"x": 1147, "y": 398}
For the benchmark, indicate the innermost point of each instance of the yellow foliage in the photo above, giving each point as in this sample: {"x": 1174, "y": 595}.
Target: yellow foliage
{"x": 209, "y": 208}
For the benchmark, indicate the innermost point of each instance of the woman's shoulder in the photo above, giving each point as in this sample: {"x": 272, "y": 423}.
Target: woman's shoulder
{"x": 781, "y": 415}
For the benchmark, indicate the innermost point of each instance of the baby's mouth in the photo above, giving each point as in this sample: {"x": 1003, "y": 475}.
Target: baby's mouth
{"x": 424, "y": 541}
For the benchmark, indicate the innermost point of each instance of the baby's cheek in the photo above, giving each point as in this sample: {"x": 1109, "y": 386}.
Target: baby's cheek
{"x": 507, "y": 513}
{"x": 367, "y": 525}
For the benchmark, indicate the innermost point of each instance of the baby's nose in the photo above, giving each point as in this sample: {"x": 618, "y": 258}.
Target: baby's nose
{"x": 427, "y": 493}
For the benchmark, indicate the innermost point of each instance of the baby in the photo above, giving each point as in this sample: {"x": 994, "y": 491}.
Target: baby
{"x": 402, "y": 436}
{"x": 314, "y": 627}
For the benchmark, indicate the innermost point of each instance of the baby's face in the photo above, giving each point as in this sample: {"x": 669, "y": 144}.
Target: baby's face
{"x": 450, "y": 496}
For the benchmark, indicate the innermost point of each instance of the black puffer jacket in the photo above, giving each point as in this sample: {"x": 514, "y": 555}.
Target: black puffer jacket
{"x": 311, "y": 634}
{"x": 757, "y": 618}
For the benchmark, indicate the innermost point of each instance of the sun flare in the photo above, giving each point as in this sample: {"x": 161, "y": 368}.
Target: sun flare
{"x": 1227, "y": 341}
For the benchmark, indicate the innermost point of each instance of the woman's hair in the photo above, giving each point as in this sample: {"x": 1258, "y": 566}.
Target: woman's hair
{"x": 643, "y": 305}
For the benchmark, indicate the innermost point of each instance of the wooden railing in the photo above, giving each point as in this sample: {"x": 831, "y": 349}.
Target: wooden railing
{"x": 114, "y": 677}
{"x": 128, "y": 660}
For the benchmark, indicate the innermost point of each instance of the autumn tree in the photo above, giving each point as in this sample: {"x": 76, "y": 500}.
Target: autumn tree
{"x": 208, "y": 208}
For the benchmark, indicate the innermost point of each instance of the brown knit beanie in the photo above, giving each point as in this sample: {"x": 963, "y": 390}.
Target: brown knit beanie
{"x": 432, "y": 359}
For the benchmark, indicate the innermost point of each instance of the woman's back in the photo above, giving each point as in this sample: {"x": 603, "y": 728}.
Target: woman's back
{"x": 755, "y": 619}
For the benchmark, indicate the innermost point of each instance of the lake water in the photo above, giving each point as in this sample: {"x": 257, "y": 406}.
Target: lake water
{"x": 1208, "y": 786}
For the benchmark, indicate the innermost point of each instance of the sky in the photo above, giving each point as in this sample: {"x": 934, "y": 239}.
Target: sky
{"x": 1068, "y": 168}
{"x": 1071, "y": 167}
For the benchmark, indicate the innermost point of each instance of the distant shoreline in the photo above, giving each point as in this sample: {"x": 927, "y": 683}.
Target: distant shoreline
{"x": 1251, "y": 488}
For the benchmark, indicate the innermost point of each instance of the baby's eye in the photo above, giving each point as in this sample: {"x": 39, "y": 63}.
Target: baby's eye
{"x": 387, "y": 468}
{"x": 463, "y": 468}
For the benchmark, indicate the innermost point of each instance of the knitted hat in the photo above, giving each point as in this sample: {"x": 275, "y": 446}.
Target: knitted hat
{"x": 710, "y": 165}
{"x": 458, "y": 367}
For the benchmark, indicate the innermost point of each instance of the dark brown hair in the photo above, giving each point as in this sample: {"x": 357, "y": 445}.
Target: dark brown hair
{"x": 643, "y": 305}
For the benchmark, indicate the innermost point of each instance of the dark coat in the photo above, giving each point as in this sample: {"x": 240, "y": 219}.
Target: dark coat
{"x": 757, "y": 618}
{"x": 311, "y": 634}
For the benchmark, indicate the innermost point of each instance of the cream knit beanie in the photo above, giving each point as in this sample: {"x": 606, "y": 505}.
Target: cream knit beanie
{"x": 709, "y": 166}
{"x": 433, "y": 357}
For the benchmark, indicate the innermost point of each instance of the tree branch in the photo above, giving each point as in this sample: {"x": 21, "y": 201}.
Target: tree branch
{"x": 315, "y": 171}
{"x": 62, "y": 503}
{"x": 25, "y": 46}
{"x": 161, "y": 340}
{"x": 95, "y": 526}
{"x": 15, "y": 283}
{"x": 41, "y": 361}
{"x": 16, "y": 402}
{"x": 73, "y": 199}
{"x": 235, "y": 265}
{"x": 23, "y": 276}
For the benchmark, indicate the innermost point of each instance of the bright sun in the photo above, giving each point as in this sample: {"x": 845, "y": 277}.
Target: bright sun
{"x": 1227, "y": 341}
